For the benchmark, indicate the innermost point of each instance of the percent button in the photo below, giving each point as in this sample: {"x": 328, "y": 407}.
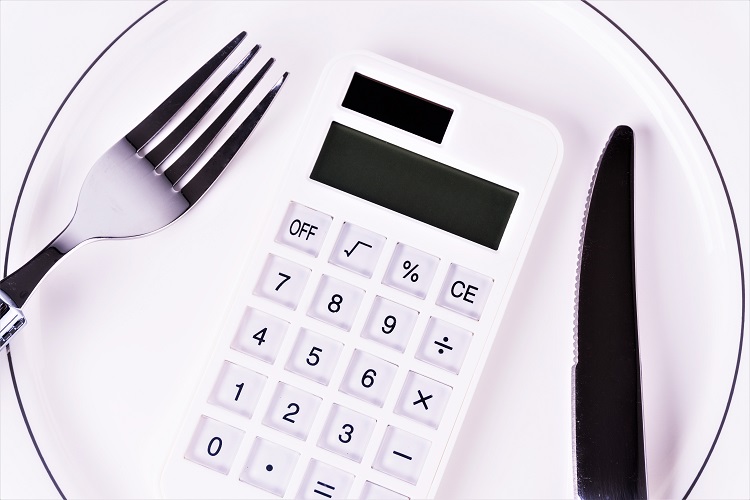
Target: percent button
{"x": 411, "y": 270}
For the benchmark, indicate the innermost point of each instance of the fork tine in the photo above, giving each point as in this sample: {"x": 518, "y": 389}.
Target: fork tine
{"x": 160, "y": 152}
{"x": 154, "y": 122}
{"x": 175, "y": 171}
{"x": 204, "y": 179}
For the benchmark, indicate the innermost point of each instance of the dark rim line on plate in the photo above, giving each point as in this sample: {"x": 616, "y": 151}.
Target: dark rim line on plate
{"x": 585, "y": 2}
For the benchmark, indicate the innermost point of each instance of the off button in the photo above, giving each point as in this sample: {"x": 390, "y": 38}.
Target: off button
{"x": 304, "y": 229}
{"x": 465, "y": 291}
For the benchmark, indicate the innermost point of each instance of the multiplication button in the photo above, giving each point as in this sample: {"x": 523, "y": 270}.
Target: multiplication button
{"x": 423, "y": 399}
{"x": 465, "y": 291}
{"x": 304, "y": 229}
{"x": 214, "y": 444}
{"x": 444, "y": 345}
{"x": 282, "y": 281}
{"x": 411, "y": 270}
{"x": 402, "y": 454}
{"x": 357, "y": 249}
{"x": 269, "y": 466}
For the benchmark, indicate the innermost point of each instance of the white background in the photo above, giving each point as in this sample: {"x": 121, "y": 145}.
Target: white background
{"x": 704, "y": 47}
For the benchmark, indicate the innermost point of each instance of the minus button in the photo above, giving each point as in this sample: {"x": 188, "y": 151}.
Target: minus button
{"x": 401, "y": 455}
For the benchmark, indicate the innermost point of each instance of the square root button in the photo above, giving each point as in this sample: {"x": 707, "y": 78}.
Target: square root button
{"x": 304, "y": 229}
{"x": 465, "y": 291}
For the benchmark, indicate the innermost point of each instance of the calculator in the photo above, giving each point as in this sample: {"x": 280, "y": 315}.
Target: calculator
{"x": 363, "y": 318}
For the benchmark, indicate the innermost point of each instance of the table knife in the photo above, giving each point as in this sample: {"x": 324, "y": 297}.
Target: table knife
{"x": 609, "y": 442}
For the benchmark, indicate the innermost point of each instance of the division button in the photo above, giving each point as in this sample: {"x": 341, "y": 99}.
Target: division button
{"x": 444, "y": 345}
{"x": 323, "y": 481}
{"x": 411, "y": 270}
{"x": 357, "y": 249}
{"x": 423, "y": 399}
{"x": 214, "y": 444}
{"x": 304, "y": 229}
{"x": 402, "y": 454}
{"x": 269, "y": 466}
{"x": 465, "y": 291}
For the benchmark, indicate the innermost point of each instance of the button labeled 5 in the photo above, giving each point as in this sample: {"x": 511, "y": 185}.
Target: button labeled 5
{"x": 314, "y": 356}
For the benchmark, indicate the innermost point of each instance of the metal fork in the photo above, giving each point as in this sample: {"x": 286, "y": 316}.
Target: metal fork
{"x": 124, "y": 196}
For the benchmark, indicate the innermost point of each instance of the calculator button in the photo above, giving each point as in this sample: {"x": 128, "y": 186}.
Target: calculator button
{"x": 336, "y": 302}
{"x": 237, "y": 389}
{"x": 357, "y": 249}
{"x": 314, "y": 356}
{"x": 401, "y": 454}
{"x": 390, "y": 323}
{"x": 292, "y": 411}
{"x": 372, "y": 491}
{"x": 347, "y": 433}
{"x": 304, "y": 229}
{"x": 411, "y": 270}
{"x": 423, "y": 399}
{"x": 214, "y": 444}
{"x": 465, "y": 291}
{"x": 325, "y": 481}
{"x": 260, "y": 335}
{"x": 269, "y": 466}
{"x": 368, "y": 378}
{"x": 444, "y": 345}
{"x": 282, "y": 281}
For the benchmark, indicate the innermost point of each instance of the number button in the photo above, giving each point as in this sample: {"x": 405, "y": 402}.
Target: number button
{"x": 444, "y": 345}
{"x": 269, "y": 466}
{"x": 411, "y": 270}
{"x": 336, "y": 303}
{"x": 324, "y": 481}
{"x": 402, "y": 455}
{"x": 347, "y": 433}
{"x": 214, "y": 444}
{"x": 372, "y": 491}
{"x": 314, "y": 356}
{"x": 282, "y": 281}
{"x": 368, "y": 378}
{"x": 292, "y": 411}
{"x": 260, "y": 335}
{"x": 237, "y": 389}
{"x": 390, "y": 323}
{"x": 304, "y": 229}
{"x": 357, "y": 250}
{"x": 423, "y": 399}
{"x": 465, "y": 291}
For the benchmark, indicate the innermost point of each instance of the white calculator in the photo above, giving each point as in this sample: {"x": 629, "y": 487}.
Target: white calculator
{"x": 365, "y": 314}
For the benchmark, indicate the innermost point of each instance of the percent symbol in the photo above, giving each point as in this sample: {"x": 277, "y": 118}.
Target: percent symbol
{"x": 411, "y": 271}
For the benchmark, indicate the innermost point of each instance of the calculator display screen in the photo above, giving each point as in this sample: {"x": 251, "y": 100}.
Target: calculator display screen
{"x": 418, "y": 187}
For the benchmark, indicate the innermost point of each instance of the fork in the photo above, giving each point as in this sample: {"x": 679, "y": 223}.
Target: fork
{"x": 125, "y": 196}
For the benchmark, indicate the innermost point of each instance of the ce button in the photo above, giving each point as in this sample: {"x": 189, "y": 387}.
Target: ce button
{"x": 465, "y": 291}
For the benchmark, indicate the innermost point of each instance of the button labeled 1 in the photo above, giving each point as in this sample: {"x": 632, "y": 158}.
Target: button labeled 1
{"x": 465, "y": 291}
{"x": 304, "y": 229}
{"x": 237, "y": 389}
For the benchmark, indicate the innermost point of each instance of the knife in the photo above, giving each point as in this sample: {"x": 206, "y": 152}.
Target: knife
{"x": 609, "y": 443}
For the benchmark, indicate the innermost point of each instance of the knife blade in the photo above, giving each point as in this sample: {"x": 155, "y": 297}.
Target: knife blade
{"x": 609, "y": 441}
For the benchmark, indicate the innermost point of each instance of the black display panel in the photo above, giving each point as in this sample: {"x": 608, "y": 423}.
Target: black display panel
{"x": 415, "y": 186}
{"x": 398, "y": 108}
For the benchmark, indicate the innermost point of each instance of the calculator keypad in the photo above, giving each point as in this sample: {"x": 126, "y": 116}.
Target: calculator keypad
{"x": 309, "y": 373}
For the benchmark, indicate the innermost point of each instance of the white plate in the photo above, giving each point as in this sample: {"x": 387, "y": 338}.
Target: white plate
{"x": 107, "y": 365}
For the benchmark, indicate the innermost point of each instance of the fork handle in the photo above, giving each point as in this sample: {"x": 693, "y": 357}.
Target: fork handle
{"x": 16, "y": 288}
